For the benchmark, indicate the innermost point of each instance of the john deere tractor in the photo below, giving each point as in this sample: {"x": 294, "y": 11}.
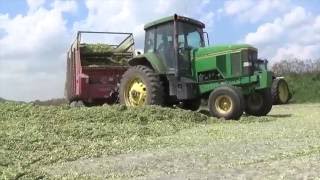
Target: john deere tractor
{"x": 178, "y": 68}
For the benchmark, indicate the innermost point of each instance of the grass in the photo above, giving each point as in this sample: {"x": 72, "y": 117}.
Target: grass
{"x": 154, "y": 142}
{"x": 305, "y": 87}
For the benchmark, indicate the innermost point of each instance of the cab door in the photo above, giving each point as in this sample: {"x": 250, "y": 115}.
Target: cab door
{"x": 159, "y": 41}
{"x": 189, "y": 38}
{"x": 184, "y": 54}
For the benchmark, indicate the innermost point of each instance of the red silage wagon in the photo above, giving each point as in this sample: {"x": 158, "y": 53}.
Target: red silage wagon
{"x": 94, "y": 69}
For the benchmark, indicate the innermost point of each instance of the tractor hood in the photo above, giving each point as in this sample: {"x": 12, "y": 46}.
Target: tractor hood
{"x": 221, "y": 49}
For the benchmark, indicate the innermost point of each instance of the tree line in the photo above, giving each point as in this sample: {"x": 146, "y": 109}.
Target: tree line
{"x": 296, "y": 66}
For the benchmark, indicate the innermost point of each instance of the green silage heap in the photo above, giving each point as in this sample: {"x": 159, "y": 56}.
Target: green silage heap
{"x": 104, "y": 54}
{"x": 97, "y": 49}
{"x": 32, "y": 136}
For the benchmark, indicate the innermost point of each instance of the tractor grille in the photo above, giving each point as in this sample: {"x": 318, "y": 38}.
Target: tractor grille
{"x": 242, "y": 62}
{"x": 236, "y": 64}
{"x": 248, "y": 58}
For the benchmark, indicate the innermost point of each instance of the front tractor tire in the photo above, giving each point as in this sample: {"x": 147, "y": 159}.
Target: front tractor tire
{"x": 259, "y": 103}
{"x": 280, "y": 91}
{"x": 140, "y": 86}
{"x": 226, "y": 102}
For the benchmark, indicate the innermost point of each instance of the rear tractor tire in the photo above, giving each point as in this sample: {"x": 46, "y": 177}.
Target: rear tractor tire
{"x": 226, "y": 102}
{"x": 280, "y": 91}
{"x": 140, "y": 86}
{"x": 259, "y": 103}
{"x": 192, "y": 104}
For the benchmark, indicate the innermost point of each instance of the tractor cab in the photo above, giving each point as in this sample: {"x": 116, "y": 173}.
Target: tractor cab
{"x": 172, "y": 40}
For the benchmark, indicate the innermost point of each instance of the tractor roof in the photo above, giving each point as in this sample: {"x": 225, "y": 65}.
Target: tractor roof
{"x": 172, "y": 18}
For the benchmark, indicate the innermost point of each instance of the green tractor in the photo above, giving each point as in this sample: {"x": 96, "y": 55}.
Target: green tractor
{"x": 178, "y": 68}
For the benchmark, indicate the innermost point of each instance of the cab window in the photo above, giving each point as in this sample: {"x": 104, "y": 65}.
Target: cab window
{"x": 149, "y": 40}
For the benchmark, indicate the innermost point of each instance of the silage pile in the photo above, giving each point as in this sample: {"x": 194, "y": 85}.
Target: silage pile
{"x": 103, "y": 54}
{"x": 97, "y": 49}
{"x": 34, "y": 136}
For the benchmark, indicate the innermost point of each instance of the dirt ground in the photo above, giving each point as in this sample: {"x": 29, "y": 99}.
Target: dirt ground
{"x": 283, "y": 145}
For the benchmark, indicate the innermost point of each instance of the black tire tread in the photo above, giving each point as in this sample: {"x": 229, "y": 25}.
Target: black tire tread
{"x": 267, "y": 104}
{"x": 192, "y": 104}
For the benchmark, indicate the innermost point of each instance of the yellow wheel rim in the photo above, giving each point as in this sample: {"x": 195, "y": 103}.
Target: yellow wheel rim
{"x": 283, "y": 92}
{"x": 135, "y": 92}
{"x": 223, "y": 104}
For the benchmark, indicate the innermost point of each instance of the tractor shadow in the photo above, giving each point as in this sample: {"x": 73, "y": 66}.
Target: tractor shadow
{"x": 262, "y": 119}
{"x": 252, "y": 119}
{"x": 204, "y": 112}
{"x": 280, "y": 115}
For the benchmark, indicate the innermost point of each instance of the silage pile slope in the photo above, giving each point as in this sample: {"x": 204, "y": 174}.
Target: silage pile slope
{"x": 33, "y": 136}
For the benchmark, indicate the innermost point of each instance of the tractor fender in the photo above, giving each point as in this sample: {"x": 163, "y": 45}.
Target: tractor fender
{"x": 151, "y": 60}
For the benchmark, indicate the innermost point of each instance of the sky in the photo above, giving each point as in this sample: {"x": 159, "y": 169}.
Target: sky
{"x": 36, "y": 34}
